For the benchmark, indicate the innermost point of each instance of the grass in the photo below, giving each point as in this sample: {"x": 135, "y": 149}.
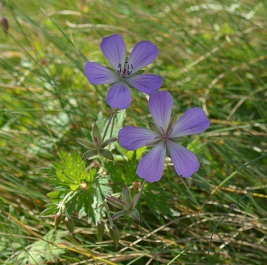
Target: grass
{"x": 212, "y": 55}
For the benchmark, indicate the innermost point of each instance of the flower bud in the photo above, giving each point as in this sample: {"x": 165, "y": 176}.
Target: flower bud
{"x": 114, "y": 234}
{"x": 4, "y": 24}
{"x": 69, "y": 224}
{"x": 100, "y": 230}
{"x": 57, "y": 219}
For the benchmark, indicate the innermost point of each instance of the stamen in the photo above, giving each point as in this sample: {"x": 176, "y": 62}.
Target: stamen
{"x": 119, "y": 68}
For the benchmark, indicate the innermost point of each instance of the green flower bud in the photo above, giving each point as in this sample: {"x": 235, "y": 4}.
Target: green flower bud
{"x": 4, "y": 24}
{"x": 114, "y": 234}
{"x": 69, "y": 224}
{"x": 57, "y": 219}
{"x": 100, "y": 230}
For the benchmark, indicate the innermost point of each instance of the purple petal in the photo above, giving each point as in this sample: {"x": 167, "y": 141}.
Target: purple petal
{"x": 119, "y": 96}
{"x": 185, "y": 162}
{"x": 194, "y": 121}
{"x": 114, "y": 48}
{"x": 98, "y": 74}
{"x": 151, "y": 165}
{"x": 146, "y": 83}
{"x": 143, "y": 54}
{"x": 160, "y": 105}
{"x": 132, "y": 137}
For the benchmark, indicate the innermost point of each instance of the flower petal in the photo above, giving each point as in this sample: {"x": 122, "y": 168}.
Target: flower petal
{"x": 143, "y": 54}
{"x": 185, "y": 162}
{"x": 160, "y": 105}
{"x": 114, "y": 48}
{"x": 119, "y": 96}
{"x": 146, "y": 83}
{"x": 151, "y": 165}
{"x": 98, "y": 74}
{"x": 194, "y": 121}
{"x": 133, "y": 138}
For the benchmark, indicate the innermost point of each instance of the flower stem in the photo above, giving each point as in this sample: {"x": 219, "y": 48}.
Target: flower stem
{"x": 109, "y": 121}
{"x": 140, "y": 192}
{"x": 108, "y": 213}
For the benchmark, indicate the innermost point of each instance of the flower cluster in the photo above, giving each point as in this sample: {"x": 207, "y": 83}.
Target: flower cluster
{"x": 165, "y": 132}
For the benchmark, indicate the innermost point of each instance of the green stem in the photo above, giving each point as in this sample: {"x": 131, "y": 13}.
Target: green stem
{"x": 140, "y": 193}
{"x": 109, "y": 121}
{"x": 108, "y": 214}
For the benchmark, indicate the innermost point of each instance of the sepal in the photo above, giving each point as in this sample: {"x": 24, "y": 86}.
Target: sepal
{"x": 85, "y": 143}
{"x": 117, "y": 203}
{"x": 97, "y": 138}
{"x": 106, "y": 153}
{"x": 69, "y": 224}
{"x": 89, "y": 154}
{"x": 109, "y": 141}
{"x": 135, "y": 215}
{"x": 114, "y": 234}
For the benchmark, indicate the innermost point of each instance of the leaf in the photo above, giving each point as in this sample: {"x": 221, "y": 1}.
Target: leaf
{"x": 153, "y": 197}
{"x": 42, "y": 251}
{"x": 124, "y": 172}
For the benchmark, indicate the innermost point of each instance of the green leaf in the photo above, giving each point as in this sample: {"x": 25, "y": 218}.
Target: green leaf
{"x": 42, "y": 251}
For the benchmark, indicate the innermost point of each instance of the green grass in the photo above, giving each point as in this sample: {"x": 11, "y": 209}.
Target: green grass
{"x": 212, "y": 55}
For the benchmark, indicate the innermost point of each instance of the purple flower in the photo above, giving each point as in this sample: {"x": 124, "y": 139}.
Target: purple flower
{"x": 126, "y": 70}
{"x": 163, "y": 136}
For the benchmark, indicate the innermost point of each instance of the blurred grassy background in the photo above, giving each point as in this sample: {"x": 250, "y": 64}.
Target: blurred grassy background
{"x": 212, "y": 55}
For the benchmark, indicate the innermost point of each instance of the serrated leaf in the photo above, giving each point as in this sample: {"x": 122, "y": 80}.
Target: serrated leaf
{"x": 42, "y": 251}
{"x": 54, "y": 194}
{"x": 74, "y": 186}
